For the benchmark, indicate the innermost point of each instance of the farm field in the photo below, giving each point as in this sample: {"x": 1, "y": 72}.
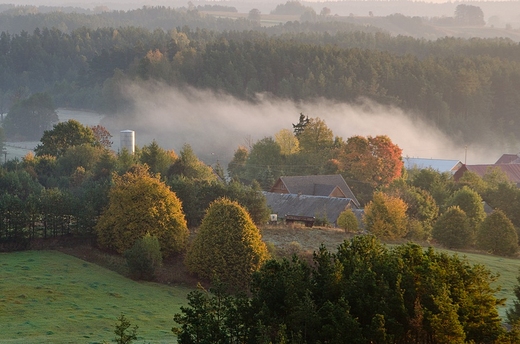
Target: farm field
{"x": 51, "y": 297}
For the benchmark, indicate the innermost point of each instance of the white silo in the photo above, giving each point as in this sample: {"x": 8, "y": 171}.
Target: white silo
{"x": 128, "y": 140}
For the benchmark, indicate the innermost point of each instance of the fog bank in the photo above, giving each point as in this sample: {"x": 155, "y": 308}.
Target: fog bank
{"x": 215, "y": 124}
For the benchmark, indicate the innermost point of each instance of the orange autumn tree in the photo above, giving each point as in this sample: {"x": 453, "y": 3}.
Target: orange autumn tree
{"x": 369, "y": 162}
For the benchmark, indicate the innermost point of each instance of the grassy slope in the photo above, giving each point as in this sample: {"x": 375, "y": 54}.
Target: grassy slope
{"x": 47, "y": 296}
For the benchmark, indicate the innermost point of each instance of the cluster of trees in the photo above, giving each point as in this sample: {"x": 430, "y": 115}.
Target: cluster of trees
{"x": 363, "y": 292}
{"x": 76, "y": 185}
{"x": 365, "y": 162}
{"x": 428, "y": 205}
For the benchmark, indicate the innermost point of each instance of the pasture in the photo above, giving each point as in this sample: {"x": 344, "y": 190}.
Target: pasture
{"x": 48, "y": 296}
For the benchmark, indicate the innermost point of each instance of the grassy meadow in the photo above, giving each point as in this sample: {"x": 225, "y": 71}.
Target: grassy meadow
{"x": 51, "y": 297}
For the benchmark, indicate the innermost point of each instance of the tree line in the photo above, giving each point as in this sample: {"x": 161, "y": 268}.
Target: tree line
{"x": 467, "y": 88}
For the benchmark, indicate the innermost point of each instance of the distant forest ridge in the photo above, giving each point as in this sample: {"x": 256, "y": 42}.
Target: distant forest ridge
{"x": 469, "y": 88}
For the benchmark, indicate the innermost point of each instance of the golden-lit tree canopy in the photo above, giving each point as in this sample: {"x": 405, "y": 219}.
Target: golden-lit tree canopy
{"x": 385, "y": 216}
{"x": 139, "y": 204}
{"x": 287, "y": 141}
{"x": 228, "y": 245}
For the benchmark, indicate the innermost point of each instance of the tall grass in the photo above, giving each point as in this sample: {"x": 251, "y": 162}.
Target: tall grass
{"x": 50, "y": 297}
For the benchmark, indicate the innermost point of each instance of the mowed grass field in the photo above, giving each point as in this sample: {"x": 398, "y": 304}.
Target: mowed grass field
{"x": 51, "y": 297}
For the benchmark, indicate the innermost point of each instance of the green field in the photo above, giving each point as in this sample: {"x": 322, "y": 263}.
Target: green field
{"x": 50, "y": 297}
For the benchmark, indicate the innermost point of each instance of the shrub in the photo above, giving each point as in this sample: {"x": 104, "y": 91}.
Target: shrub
{"x": 348, "y": 221}
{"x": 452, "y": 229}
{"x": 497, "y": 235}
{"x": 144, "y": 258}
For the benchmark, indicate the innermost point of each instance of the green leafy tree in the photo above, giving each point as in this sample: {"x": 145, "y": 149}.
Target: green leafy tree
{"x": 385, "y": 216}
{"x": 316, "y": 137}
{"x": 228, "y": 245}
{"x": 422, "y": 210}
{"x": 265, "y": 154}
{"x": 215, "y": 317}
{"x": 189, "y": 166}
{"x": 469, "y": 15}
{"x": 470, "y": 202}
{"x": 513, "y": 313}
{"x": 453, "y": 230}
{"x": 348, "y": 221}
{"x": 158, "y": 159}
{"x": 144, "y": 258}
{"x": 29, "y": 118}
{"x": 255, "y": 15}
{"x": 84, "y": 156}
{"x": 63, "y": 136}
{"x": 125, "y": 160}
{"x": 497, "y": 235}
{"x": 506, "y": 197}
{"x": 439, "y": 185}
{"x": 236, "y": 167}
{"x": 139, "y": 204}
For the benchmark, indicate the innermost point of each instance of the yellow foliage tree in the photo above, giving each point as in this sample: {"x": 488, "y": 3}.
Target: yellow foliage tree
{"x": 139, "y": 204}
{"x": 385, "y": 216}
{"x": 228, "y": 246}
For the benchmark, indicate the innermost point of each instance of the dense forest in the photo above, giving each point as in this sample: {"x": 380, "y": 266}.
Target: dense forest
{"x": 468, "y": 88}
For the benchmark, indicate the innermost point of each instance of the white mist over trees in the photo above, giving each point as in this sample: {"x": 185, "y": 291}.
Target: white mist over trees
{"x": 215, "y": 124}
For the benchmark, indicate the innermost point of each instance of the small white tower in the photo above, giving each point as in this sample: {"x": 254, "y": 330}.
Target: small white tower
{"x": 128, "y": 140}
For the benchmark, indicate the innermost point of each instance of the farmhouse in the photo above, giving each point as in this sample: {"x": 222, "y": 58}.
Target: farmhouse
{"x": 320, "y": 197}
{"x": 305, "y": 207}
{"x": 315, "y": 185}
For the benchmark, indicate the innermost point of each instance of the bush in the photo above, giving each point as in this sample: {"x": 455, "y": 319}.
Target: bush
{"x": 144, "y": 258}
{"x": 452, "y": 229}
{"x": 497, "y": 235}
{"x": 348, "y": 221}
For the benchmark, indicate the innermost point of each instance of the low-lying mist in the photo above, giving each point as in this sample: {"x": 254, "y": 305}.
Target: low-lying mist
{"x": 215, "y": 124}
